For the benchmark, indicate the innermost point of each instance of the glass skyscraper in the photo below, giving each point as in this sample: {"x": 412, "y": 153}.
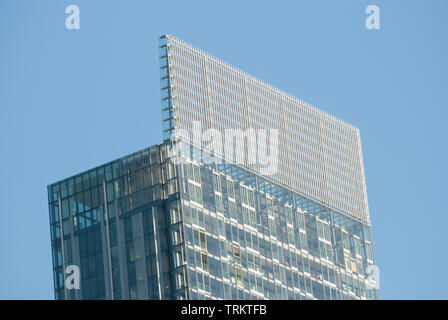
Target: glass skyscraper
{"x": 187, "y": 220}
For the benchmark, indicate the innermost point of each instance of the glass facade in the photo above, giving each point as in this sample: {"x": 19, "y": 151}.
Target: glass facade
{"x": 112, "y": 222}
{"x": 250, "y": 238}
{"x": 318, "y": 155}
{"x": 166, "y": 223}
{"x": 149, "y": 226}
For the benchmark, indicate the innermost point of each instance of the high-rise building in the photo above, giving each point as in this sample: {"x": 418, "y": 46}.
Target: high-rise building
{"x": 253, "y": 194}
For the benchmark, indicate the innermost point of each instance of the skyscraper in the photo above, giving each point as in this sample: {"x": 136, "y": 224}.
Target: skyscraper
{"x": 253, "y": 194}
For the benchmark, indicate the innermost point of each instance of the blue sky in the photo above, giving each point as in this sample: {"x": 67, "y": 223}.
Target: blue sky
{"x": 72, "y": 100}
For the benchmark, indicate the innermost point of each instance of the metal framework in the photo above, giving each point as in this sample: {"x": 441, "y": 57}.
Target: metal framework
{"x": 319, "y": 155}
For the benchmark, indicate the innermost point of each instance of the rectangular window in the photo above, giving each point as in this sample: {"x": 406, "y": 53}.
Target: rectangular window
{"x": 198, "y": 194}
{"x": 230, "y": 189}
{"x": 232, "y": 209}
{"x": 189, "y": 168}
{"x": 250, "y": 260}
{"x": 274, "y": 251}
{"x": 196, "y": 174}
{"x": 221, "y": 228}
{"x": 239, "y": 275}
{"x": 303, "y": 241}
{"x": 289, "y": 215}
{"x": 195, "y": 193}
{"x": 193, "y": 172}
{"x": 236, "y": 253}
{"x": 329, "y": 251}
{"x": 323, "y": 230}
{"x": 354, "y": 266}
{"x": 290, "y": 235}
{"x": 369, "y": 251}
{"x": 202, "y": 239}
{"x": 301, "y": 220}
{"x": 252, "y": 218}
{"x": 360, "y": 267}
{"x": 356, "y": 245}
{"x": 272, "y": 226}
{"x": 204, "y": 261}
{"x": 219, "y": 203}
{"x": 217, "y": 183}
{"x": 243, "y": 195}
{"x": 194, "y": 216}
{"x": 192, "y": 191}
{"x": 345, "y": 241}
{"x": 245, "y": 215}
{"x": 347, "y": 261}
{"x": 251, "y": 198}
{"x": 270, "y": 206}
{"x": 247, "y": 197}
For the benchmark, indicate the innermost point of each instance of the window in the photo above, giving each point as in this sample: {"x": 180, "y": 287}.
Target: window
{"x": 259, "y": 284}
{"x": 323, "y": 230}
{"x": 356, "y": 245}
{"x": 252, "y": 218}
{"x": 326, "y": 251}
{"x": 303, "y": 241}
{"x": 202, "y": 239}
{"x": 178, "y": 261}
{"x": 180, "y": 280}
{"x": 236, "y": 253}
{"x": 193, "y": 172}
{"x": 204, "y": 261}
{"x": 290, "y": 235}
{"x": 243, "y": 195}
{"x": 272, "y": 227}
{"x": 230, "y": 189}
{"x": 251, "y": 198}
{"x": 198, "y": 194}
{"x": 196, "y": 174}
{"x": 248, "y": 240}
{"x": 176, "y": 236}
{"x": 274, "y": 251}
{"x": 347, "y": 261}
{"x": 189, "y": 168}
{"x": 232, "y": 209}
{"x": 270, "y": 206}
{"x": 345, "y": 241}
{"x": 194, "y": 215}
{"x": 175, "y": 215}
{"x": 195, "y": 193}
{"x": 301, "y": 220}
{"x": 250, "y": 260}
{"x": 252, "y": 281}
{"x": 253, "y": 262}
{"x": 192, "y": 191}
{"x": 369, "y": 251}
{"x": 329, "y": 251}
{"x": 219, "y": 203}
{"x": 239, "y": 275}
{"x": 354, "y": 265}
{"x": 247, "y": 197}
{"x": 217, "y": 183}
{"x": 200, "y": 218}
{"x": 360, "y": 267}
{"x": 221, "y": 228}
{"x": 249, "y": 217}
{"x": 288, "y": 215}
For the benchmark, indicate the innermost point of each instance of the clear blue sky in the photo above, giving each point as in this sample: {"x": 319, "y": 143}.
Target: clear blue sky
{"x": 72, "y": 100}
